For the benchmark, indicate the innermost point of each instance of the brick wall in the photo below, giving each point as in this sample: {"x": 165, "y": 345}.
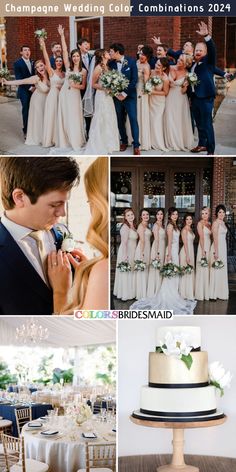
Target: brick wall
{"x": 218, "y": 192}
{"x": 230, "y": 183}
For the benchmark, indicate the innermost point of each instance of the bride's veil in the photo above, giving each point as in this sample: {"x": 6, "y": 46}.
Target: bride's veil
{"x": 88, "y": 98}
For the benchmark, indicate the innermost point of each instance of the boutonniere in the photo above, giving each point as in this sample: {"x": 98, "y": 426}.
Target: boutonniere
{"x": 125, "y": 63}
{"x": 68, "y": 242}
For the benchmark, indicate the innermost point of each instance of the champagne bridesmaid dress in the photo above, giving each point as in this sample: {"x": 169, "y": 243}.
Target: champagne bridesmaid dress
{"x": 157, "y": 108}
{"x": 186, "y": 286}
{"x": 219, "y": 287}
{"x": 157, "y": 251}
{"x": 141, "y": 277}
{"x": 124, "y": 287}
{"x": 143, "y": 113}
{"x": 50, "y": 128}
{"x": 36, "y": 114}
{"x": 203, "y": 273}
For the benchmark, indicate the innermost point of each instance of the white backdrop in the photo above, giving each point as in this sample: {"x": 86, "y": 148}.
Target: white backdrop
{"x": 136, "y": 339}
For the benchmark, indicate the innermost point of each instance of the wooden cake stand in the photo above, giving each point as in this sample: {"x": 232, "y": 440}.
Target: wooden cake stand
{"x": 178, "y": 428}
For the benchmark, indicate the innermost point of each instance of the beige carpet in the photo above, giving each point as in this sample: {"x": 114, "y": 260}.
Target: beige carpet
{"x": 150, "y": 463}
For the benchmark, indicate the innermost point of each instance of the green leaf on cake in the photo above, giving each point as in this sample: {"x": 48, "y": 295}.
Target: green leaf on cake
{"x": 217, "y": 385}
{"x": 158, "y": 349}
{"x": 188, "y": 360}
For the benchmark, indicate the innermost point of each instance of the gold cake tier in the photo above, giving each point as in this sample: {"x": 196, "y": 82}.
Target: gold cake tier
{"x": 168, "y": 370}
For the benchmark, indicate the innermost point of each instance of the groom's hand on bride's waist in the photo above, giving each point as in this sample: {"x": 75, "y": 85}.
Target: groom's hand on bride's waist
{"x": 121, "y": 97}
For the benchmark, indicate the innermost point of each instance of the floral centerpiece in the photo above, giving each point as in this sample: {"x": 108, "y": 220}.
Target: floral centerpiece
{"x": 170, "y": 270}
{"x": 124, "y": 266}
{"x": 178, "y": 346}
{"x": 114, "y": 82}
{"x": 218, "y": 264}
{"x": 203, "y": 262}
{"x": 81, "y": 412}
{"x": 218, "y": 377}
{"x": 139, "y": 265}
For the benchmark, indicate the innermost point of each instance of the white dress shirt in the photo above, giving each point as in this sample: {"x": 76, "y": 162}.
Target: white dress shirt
{"x": 85, "y": 59}
{"x": 28, "y": 63}
{"x": 28, "y": 245}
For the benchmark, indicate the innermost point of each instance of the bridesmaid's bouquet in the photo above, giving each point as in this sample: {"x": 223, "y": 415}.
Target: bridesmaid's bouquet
{"x": 114, "y": 82}
{"x": 203, "y": 262}
{"x": 151, "y": 83}
{"x": 41, "y": 33}
{"x": 218, "y": 264}
{"x": 192, "y": 79}
{"x": 124, "y": 266}
{"x": 170, "y": 270}
{"x": 139, "y": 265}
{"x": 188, "y": 269}
{"x": 76, "y": 78}
{"x": 156, "y": 264}
{"x": 4, "y": 73}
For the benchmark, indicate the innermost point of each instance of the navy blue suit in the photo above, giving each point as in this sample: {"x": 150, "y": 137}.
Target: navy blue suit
{"x": 22, "y": 290}
{"x": 129, "y": 105}
{"x": 176, "y": 54}
{"x": 21, "y": 71}
{"x": 202, "y": 98}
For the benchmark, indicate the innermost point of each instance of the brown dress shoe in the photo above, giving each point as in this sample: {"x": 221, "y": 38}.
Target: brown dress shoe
{"x": 123, "y": 147}
{"x": 199, "y": 149}
{"x": 137, "y": 152}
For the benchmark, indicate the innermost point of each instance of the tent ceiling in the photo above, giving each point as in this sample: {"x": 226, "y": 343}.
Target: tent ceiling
{"x": 63, "y": 331}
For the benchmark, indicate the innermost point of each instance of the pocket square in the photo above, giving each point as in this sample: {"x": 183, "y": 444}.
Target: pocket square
{"x": 128, "y": 68}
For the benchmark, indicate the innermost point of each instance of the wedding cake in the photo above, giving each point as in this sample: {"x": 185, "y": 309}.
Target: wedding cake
{"x": 178, "y": 381}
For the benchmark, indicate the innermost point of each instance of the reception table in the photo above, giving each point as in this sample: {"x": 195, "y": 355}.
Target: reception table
{"x": 8, "y": 413}
{"x": 65, "y": 452}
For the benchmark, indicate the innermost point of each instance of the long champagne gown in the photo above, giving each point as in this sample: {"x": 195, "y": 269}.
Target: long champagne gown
{"x": 154, "y": 277}
{"x": 186, "y": 286}
{"x": 71, "y": 129}
{"x": 177, "y": 119}
{"x": 143, "y": 113}
{"x": 50, "y": 127}
{"x": 36, "y": 114}
{"x": 141, "y": 277}
{"x": 219, "y": 287}
{"x": 202, "y": 288}
{"x": 156, "y": 108}
{"x": 124, "y": 287}
{"x": 168, "y": 297}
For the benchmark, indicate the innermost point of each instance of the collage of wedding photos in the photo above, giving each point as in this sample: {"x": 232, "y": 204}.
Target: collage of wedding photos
{"x": 117, "y": 208}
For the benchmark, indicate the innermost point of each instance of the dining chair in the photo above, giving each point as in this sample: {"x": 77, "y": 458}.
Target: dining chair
{"x": 15, "y": 461}
{"x": 100, "y": 457}
{"x": 23, "y": 416}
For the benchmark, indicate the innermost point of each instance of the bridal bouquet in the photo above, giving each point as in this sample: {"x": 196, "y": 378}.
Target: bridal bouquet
{"x": 203, "y": 262}
{"x": 218, "y": 264}
{"x": 156, "y": 264}
{"x": 114, "y": 82}
{"x": 41, "y": 33}
{"x": 139, "y": 265}
{"x": 124, "y": 266}
{"x": 170, "y": 270}
{"x": 4, "y": 73}
{"x": 192, "y": 79}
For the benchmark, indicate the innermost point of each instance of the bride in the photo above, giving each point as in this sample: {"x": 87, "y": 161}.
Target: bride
{"x": 168, "y": 296}
{"x": 103, "y": 134}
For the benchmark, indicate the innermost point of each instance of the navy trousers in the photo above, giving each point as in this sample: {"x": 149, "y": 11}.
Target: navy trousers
{"x": 25, "y": 102}
{"x": 202, "y": 111}
{"x": 129, "y": 106}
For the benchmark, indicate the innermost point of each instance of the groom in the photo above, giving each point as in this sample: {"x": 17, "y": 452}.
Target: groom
{"x": 24, "y": 68}
{"x": 34, "y": 192}
{"x": 126, "y": 102}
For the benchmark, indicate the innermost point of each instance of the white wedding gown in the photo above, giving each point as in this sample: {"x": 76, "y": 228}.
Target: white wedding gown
{"x": 168, "y": 297}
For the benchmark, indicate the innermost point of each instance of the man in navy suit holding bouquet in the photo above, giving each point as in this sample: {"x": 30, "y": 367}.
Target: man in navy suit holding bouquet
{"x": 126, "y": 102}
{"x": 23, "y": 68}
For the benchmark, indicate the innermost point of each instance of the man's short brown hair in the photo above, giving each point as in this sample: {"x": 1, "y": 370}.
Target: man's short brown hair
{"x": 36, "y": 176}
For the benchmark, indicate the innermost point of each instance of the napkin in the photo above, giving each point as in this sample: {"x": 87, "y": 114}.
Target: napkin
{"x": 89, "y": 435}
{"x": 49, "y": 432}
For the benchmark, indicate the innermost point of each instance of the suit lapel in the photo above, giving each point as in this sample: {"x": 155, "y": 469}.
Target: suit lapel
{"x": 15, "y": 259}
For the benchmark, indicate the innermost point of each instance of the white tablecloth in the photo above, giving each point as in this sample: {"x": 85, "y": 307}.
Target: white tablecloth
{"x": 65, "y": 452}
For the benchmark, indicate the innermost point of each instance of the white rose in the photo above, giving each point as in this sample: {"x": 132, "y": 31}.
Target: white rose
{"x": 68, "y": 245}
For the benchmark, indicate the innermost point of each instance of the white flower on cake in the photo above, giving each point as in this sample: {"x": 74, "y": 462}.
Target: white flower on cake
{"x": 178, "y": 346}
{"x": 219, "y": 377}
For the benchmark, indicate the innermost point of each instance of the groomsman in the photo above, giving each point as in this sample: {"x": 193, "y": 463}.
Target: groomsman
{"x": 56, "y": 52}
{"x": 24, "y": 68}
{"x": 84, "y": 46}
{"x": 34, "y": 192}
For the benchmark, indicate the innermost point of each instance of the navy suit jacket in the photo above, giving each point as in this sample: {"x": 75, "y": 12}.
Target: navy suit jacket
{"x": 205, "y": 71}
{"x": 22, "y": 291}
{"x": 176, "y": 54}
{"x": 130, "y": 70}
{"x": 21, "y": 71}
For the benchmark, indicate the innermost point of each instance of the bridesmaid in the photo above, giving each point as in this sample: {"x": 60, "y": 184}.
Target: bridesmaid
{"x": 34, "y": 135}
{"x": 70, "y": 112}
{"x": 157, "y": 252}
{"x": 142, "y": 253}
{"x": 186, "y": 286}
{"x": 177, "y": 119}
{"x": 157, "y": 101}
{"x": 124, "y": 287}
{"x": 172, "y": 250}
{"x": 204, "y": 246}
{"x": 142, "y": 101}
{"x": 57, "y": 77}
{"x": 219, "y": 277}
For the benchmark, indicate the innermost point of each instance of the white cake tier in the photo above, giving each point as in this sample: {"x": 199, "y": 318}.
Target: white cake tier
{"x": 167, "y": 370}
{"x": 178, "y": 402}
{"x": 192, "y": 333}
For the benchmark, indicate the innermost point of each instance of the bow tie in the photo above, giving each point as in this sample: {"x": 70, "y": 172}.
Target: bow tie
{"x": 119, "y": 62}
